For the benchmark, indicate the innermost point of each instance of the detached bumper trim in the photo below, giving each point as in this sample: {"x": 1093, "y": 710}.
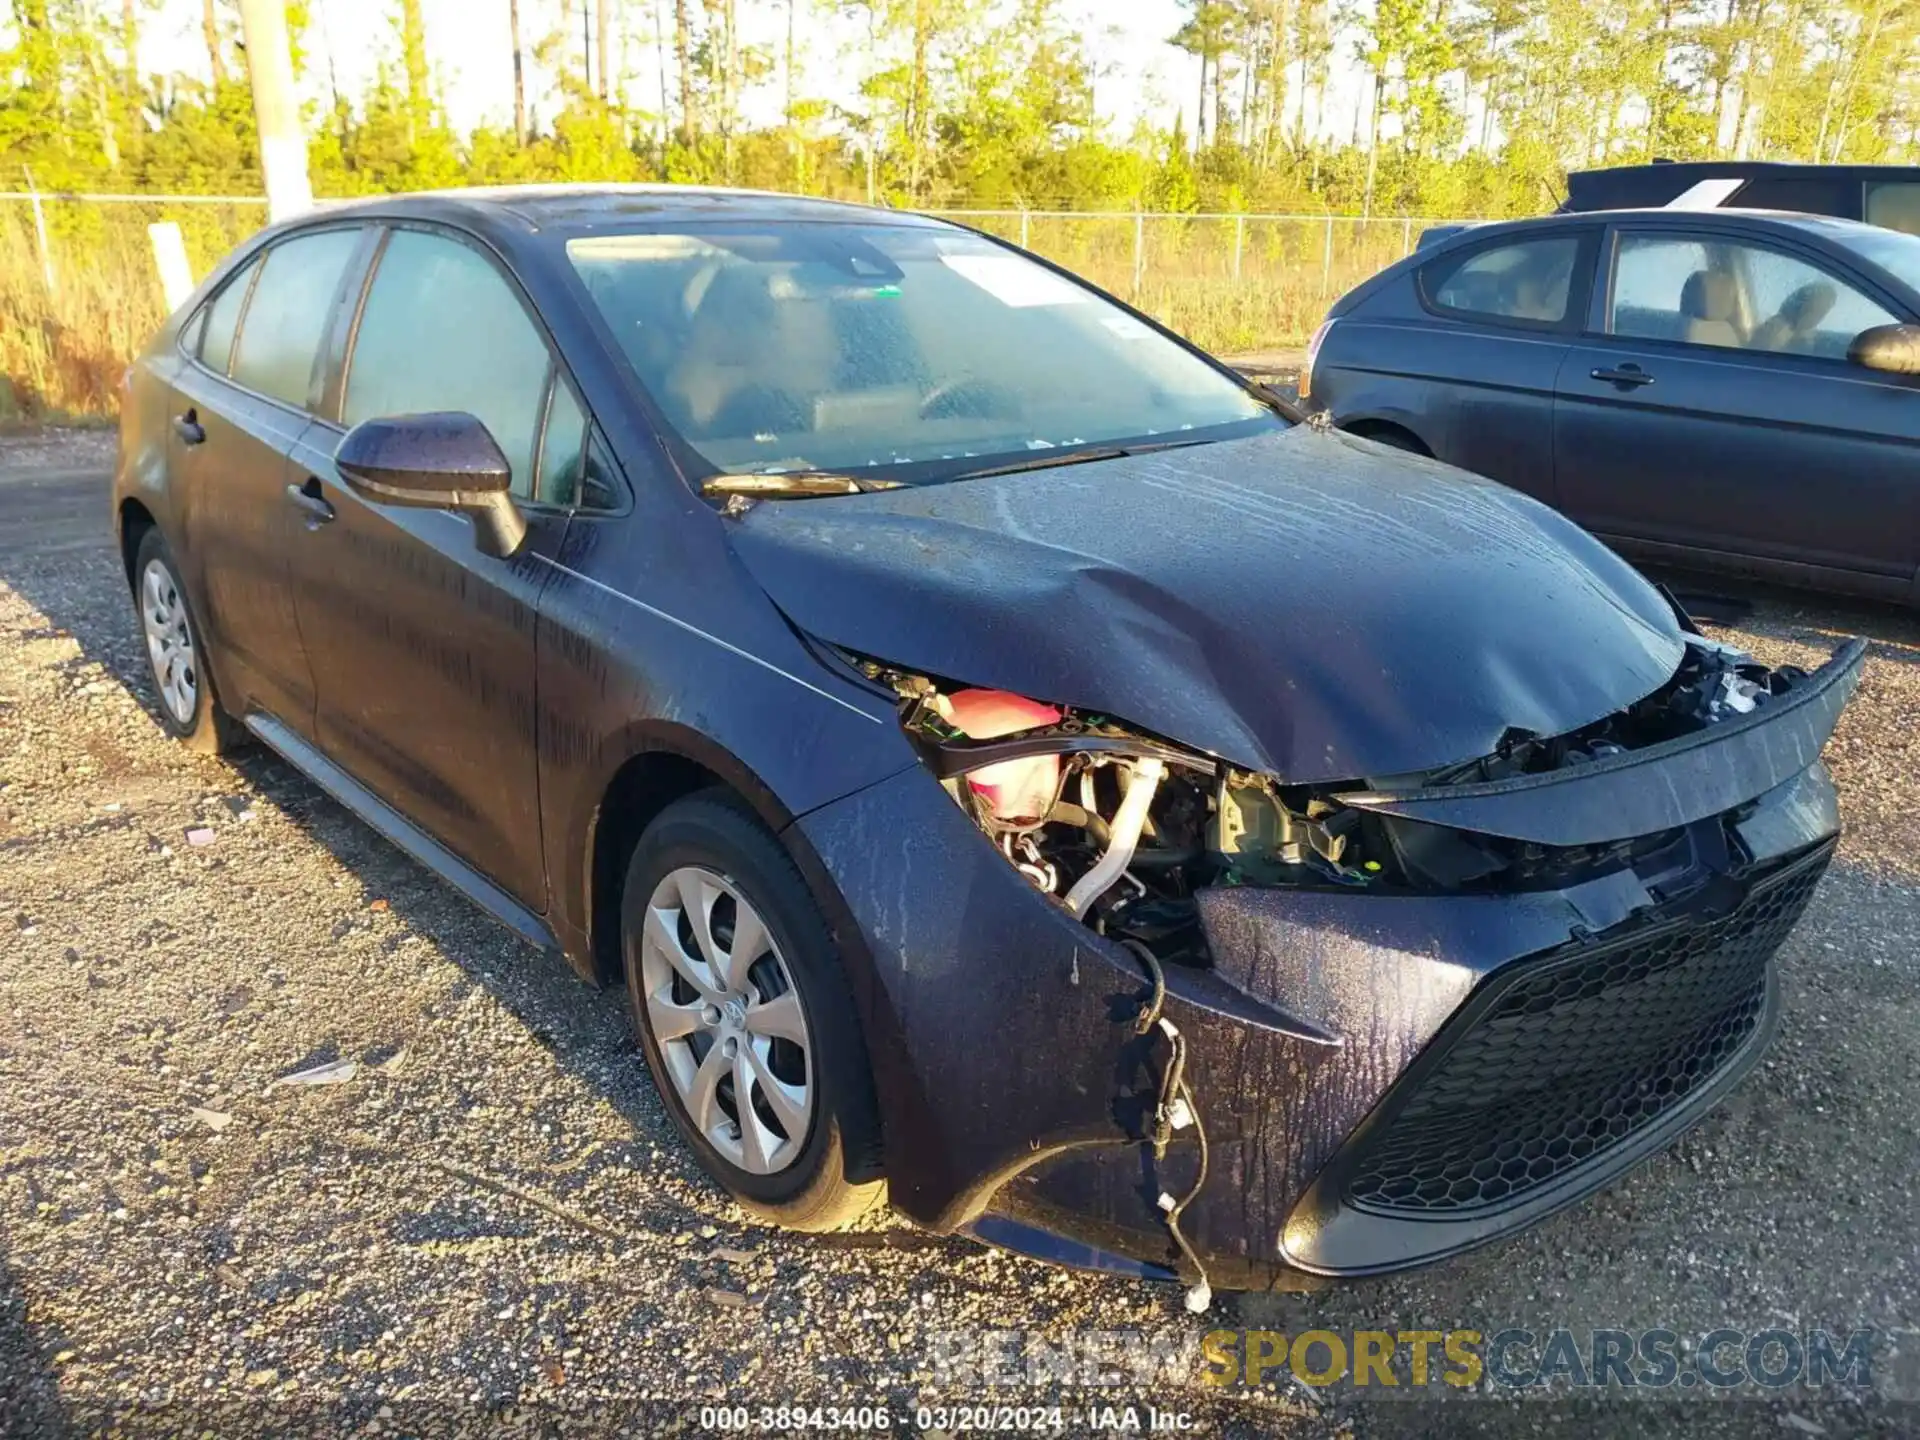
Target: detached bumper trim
{"x": 1644, "y": 792}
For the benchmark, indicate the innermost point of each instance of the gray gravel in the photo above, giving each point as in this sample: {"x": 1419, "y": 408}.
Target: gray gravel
{"x": 490, "y": 1224}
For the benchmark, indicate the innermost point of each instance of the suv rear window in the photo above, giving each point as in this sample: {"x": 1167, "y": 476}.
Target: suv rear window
{"x": 1800, "y": 194}
{"x": 1894, "y": 205}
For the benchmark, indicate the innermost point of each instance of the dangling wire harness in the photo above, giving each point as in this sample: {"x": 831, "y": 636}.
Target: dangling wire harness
{"x": 1174, "y": 1110}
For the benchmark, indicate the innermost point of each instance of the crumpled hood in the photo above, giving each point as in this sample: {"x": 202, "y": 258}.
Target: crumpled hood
{"x": 1301, "y": 603}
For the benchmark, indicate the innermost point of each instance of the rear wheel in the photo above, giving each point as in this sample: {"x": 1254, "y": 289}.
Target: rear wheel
{"x": 189, "y": 708}
{"x": 745, "y": 1018}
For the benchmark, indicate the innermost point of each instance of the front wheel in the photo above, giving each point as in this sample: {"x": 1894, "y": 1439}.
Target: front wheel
{"x": 189, "y": 709}
{"x": 745, "y": 1018}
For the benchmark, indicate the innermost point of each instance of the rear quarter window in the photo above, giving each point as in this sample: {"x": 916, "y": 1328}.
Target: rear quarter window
{"x": 210, "y": 336}
{"x": 1523, "y": 282}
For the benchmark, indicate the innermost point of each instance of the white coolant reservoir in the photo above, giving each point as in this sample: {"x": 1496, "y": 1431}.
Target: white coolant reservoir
{"x": 1016, "y": 791}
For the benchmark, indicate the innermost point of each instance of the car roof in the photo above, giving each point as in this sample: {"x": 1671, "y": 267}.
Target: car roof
{"x": 1828, "y": 226}
{"x": 585, "y": 207}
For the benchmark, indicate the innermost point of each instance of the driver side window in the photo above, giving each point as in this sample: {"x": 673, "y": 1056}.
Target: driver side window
{"x": 1703, "y": 291}
{"x": 443, "y": 330}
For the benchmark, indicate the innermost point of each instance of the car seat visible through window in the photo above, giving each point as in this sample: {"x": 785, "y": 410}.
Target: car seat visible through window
{"x": 1799, "y": 316}
{"x": 1710, "y": 304}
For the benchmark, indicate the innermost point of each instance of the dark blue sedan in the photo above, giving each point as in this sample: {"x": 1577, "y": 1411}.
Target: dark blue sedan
{"x": 1723, "y": 390}
{"x": 1012, "y": 767}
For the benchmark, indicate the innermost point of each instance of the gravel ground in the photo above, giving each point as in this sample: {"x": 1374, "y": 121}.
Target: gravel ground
{"x": 490, "y": 1225}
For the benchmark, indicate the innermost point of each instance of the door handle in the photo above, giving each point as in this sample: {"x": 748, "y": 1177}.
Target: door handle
{"x": 189, "y": 428}
{"x": 307, "y": 499}
{"x": 1627, "y": 377}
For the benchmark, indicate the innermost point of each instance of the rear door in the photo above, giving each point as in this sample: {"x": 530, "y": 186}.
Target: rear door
{"x": 1463, "y": 354}
{"x": 239, "y": 407}
{"x": 1711, "y": 416}
{"x": 423, "y": 649}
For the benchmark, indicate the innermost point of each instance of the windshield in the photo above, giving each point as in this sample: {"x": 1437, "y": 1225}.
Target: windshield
{"x": 921, "y": 352}
{"x": 1893, "y": 251}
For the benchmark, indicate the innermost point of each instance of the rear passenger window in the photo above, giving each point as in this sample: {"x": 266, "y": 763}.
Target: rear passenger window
{"x": 288, "y": 314}
{"x": 1530, "y": 281}
{"x": 221, "y": 318}
{"x": 443, "y": 330}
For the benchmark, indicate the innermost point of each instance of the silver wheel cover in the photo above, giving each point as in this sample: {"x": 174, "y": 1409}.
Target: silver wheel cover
{"x": 163, "y": 617}
{"x": 721, "y": 1006}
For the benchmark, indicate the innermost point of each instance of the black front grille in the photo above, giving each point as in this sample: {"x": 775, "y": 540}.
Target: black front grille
{"x": 1570, "y": 1054}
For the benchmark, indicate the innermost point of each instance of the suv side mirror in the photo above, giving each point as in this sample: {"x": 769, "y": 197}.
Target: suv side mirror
{"x": 447, "y": 460}
{"x": 1893, "y": 348}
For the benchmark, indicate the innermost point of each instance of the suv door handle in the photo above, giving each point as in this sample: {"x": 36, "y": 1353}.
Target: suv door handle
{"x": 308, "y": 499}
{"x": 189, "y": 428}
{"x": 1627, "y": 377}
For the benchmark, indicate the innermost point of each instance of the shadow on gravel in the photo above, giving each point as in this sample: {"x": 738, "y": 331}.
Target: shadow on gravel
{"x": 82, "y": 593}
{"x": 30, "y": 1402}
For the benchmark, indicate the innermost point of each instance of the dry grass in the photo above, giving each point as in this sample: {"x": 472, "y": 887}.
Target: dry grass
{"x": 1252, "y": 286}
{"x": 62, "y": 352}
{"x": 63, "y": 348}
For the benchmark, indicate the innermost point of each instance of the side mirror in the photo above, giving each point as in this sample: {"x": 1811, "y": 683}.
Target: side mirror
{"x": 1893, "y": 348}
{"x": 444, "y": 461}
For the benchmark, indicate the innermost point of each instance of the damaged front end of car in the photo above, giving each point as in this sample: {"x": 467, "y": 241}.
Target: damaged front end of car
{"x": 1243, "y": 1030}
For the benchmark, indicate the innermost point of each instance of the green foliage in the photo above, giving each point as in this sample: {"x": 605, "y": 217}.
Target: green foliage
{"x": 1478, "y": 106}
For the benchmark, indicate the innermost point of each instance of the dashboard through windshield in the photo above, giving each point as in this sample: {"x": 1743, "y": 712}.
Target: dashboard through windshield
{"x": 914, "y": 351}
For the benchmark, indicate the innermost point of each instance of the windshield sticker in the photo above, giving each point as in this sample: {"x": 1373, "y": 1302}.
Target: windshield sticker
{"x": 1014, "y": 282}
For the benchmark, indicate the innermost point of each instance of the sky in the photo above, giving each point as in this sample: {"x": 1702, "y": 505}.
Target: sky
{"x": 1139, "y": 74}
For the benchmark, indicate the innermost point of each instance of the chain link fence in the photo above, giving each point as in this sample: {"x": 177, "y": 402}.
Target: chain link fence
{"x": 1229, "y": 282}
{"x": 80, "y": 291}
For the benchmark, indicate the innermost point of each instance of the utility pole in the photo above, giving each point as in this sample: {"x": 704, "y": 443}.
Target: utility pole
{"x": 276, "y": 110}
{"x": 660, "y": 55}
{"x": 603, "y": 35}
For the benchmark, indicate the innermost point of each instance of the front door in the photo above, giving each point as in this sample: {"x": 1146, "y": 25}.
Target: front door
{"x": 1715, "y": 418}
{"x": 423, "y": 649}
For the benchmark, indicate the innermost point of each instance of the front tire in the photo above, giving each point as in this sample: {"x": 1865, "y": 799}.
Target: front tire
{"x": 745, "y": 1018}
{"x": 189, "y": 707}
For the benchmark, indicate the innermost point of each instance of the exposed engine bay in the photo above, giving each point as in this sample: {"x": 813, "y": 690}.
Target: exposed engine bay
{"x": 1122, "y": 828}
